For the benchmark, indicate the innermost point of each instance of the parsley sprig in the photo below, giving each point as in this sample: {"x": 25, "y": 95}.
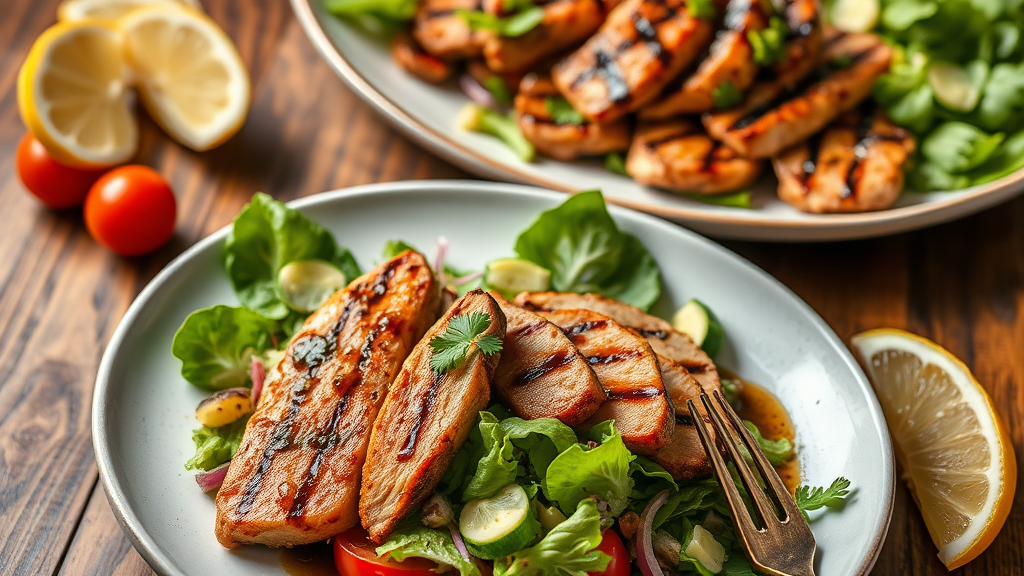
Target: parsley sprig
{"x": 463, "y": 331}
{"x": 808, "y": 498}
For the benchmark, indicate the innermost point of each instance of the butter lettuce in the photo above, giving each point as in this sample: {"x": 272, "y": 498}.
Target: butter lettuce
{"x": 567, "y": 550}
{"x": 578, "y": 472}
{"x": 413, "y": 540}
{"x": 216, "y": 344}
{"x": 495, "y": 466}
{"x": 215, "y": 446}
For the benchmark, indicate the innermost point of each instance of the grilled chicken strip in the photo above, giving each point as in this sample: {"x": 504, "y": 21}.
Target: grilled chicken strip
{"x": 854, "y": 62}
{"x": 295, "y": 477}
{"x": 565, "y": 141}
{"x": 425, "y": 419}
{"x": 678, "y": 155}
{"x": 854, "y": 165}
{"x": 628, "y": 370}
{"x": 730, "y": 60}
{"x": 541, "y": 373}
{"x": 443, "y": 33}
{"x": 414, "y": 60}
{"x": 675, "y": 346}
{"x": 684, "y": 456}
{"x": 638, "y": 50}
{"x": 566, "y": 24}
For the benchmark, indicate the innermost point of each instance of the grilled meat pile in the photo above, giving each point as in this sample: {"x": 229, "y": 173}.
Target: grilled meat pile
{"x": 699, "y": 101}
{"x": 355, "y": 426}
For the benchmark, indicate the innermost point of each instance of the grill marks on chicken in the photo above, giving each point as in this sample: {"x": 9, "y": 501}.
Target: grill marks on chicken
{"x": 425, "y": 419}
{"x": 443, "y": 33}
{"x": 854, "y": 165}
{"x": 854, "y": 62}
{"x": 678, "y": 155}
{"x": 414, "y": 60}
{"x": 628, "y": 371}
{"x": 295, "y": 477}
{"x": 637, "y": 51}
{"x": 563, "y": 141}
{"x": 541, "y": 373}
{"x": 729, "y": 60}
{"x": 684, "y": 456}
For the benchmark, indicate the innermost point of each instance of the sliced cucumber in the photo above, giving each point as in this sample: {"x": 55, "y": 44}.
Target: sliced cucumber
{"x": 307, "y": 284}
{"x": 957, "y": 87}
{"x": 705, "y": 549}
{"x": 855, "y": 15}
{"x": 698, "y": 322}
{"x": 500, "y": 525}
{"x": 510, "y": 276}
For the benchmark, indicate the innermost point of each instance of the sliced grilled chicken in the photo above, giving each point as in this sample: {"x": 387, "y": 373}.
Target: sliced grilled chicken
{"x": 854, "y": 62}
{"x": 541, "y": 373}
{"x": 684, "y": 456}
{"x": 443, "y": 33}
{"x": 425, "y": 419}
{"x": 483, "y": 75}
{"x": 566, "y": 24}
{"x": 730, "y": 60}
{"x": 638, "y": 50}
{"x": 678, "y": 155}
{"x": 414, "y": 60}
{"x": 563, "y": 141}
{"x": 628, "y": 371}
{"x": 295, "y": 477}
{"x": 663, "y": 338}
{"x": 854, "y": 165}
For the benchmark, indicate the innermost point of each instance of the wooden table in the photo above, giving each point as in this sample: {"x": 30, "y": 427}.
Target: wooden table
{"x": 61, "y": 295}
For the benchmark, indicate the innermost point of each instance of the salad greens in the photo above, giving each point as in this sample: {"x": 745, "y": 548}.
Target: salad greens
{"x": 414, "y": 540}
{"x": 808, "y": 498}
{"x": 562, "y": 112}
{"x": 216, "y": 344}
{"x": 568, "y": 549}
{"x": 496, "y": 468}
{"x": 586, "y": 252}
{"x": 580, "y": 472}
{"x": 215, "y": 446}
{"x": 526, "y": 17}
{"x": 777, "y": 451}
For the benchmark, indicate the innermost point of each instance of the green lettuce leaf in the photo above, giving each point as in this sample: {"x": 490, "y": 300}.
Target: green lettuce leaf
{"x": 215, "y": 345}
{"x": 215, "y": 446}
{"x": 649, "y": 478}
{"x": 1008, "y": 158}
{"x": 603, "y": 471}
{"x": 399, "y": 10}
{"x": 562, "y": 112}
{"x": 267, "y": 235}
{"x": 958, "y": 146}
{"x": 542, "y": 440}
{"x": 586, "y": 252}
{"x": 413, "y": 540}
{"x": 567, "y": 550}
{"x": 692, "y": 498}
{"x": 1003, "y": 99}
{"x": 776, "y": 451}
{"x": 495, "y": 468}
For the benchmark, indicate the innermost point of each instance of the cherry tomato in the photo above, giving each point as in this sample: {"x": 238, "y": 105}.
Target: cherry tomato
{"x": 56, "y": 185}
{"x": 354, "y": 555}
{"x": 611, "y": 544}
{"x": 130, "y": 210}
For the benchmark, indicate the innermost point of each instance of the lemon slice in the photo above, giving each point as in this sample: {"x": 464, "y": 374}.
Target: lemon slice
{"x": 72, "y": 10}
{"x": 189, "y": 74}
{"x": 955, "y": 453}
{"x": 73, "y": 95}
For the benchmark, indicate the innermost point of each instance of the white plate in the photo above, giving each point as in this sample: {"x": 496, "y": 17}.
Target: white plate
{"x": 426, "y": 114}
{"x": 143, "y": 409}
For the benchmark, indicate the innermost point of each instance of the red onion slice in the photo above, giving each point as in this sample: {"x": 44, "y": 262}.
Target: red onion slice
{"x": 464, "y": 279}
{"x": 441, "y": 252}
{"x": 476, "y": 92}
{"x": 645, "y": 558}
{"x": 459, "y": 543}
{"x": 212, "y": 479}
{"x": 257, "y": 373}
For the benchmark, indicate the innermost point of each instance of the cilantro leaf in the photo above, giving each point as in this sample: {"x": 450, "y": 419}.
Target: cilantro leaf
{"x": 562, "y": 112}
{"x": 1003, "y": 99}
{"x": 808, "y": 498}
{"x": 509, "y": 26}
{"x": 463, "y": 331}
{"x": 958, "y": 146}
{"x": 615, "y": 163}
{"x": 777, "y": 451}
{"x": 726, "y": 95}
{"x": 769, "y": 44}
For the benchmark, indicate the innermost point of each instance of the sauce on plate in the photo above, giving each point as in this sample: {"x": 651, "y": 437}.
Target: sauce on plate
{"x": 763, "y": 409}
{"x": 309, "y": 560}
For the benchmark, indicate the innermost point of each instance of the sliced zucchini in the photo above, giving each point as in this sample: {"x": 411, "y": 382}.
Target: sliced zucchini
{"x": 500, "y": 525}
{"x": 706, "y": 550}
{"x": 510, "y": 276}
{"x": 699, "y": 323}
{"x": 307, "y": 284}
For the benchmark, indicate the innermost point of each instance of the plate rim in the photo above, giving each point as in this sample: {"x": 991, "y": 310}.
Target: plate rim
{"x": 146, "y": 545}
{"x": 827, "y": 226}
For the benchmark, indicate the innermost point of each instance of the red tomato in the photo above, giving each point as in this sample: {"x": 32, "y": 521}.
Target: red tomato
{"x": 130, "y": 210}
{"x": 611, "y": 544}
{"x": 354, "y": 555}
{"x": 56, "y": 185}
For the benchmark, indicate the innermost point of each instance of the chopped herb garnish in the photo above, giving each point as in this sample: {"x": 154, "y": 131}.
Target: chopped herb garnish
{"x": 808, "y": 498}
{"x": 562, "y": 112}
{"x": 498, "y": 89}
{"x": 734, "y": 200}
{"x": 769, "y": 44}
{"x": 395, "y": 10}
{"x": 510, "y": 26}
{"x": 463, "y": 331}
{"x": 615, "y": 163}
{"x": 703, "y": 9}
{"x": 726, "y": 95}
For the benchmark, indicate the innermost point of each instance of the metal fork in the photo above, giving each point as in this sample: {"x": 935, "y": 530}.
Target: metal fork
{"x": 778, "y": 540}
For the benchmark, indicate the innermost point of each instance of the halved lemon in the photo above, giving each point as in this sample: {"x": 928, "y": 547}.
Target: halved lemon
{"x": 955, "y": 453}
{"x": 188, "y": 72}
{"x": 72, "y": 10}
{"x": 73, "y": 94}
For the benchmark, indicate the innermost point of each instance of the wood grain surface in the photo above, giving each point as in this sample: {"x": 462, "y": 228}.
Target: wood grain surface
{"x": 61, "y": 295}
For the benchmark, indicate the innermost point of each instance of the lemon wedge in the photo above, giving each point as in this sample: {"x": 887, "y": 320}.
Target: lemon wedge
{"x": 188, "y": 72}
{"x": 954, "y": 451}
{"x": 72, "y": 10}
{"x": 73, "y": 95}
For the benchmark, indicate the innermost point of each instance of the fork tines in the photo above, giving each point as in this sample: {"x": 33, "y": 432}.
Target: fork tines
{"x": 772, "y": 529}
